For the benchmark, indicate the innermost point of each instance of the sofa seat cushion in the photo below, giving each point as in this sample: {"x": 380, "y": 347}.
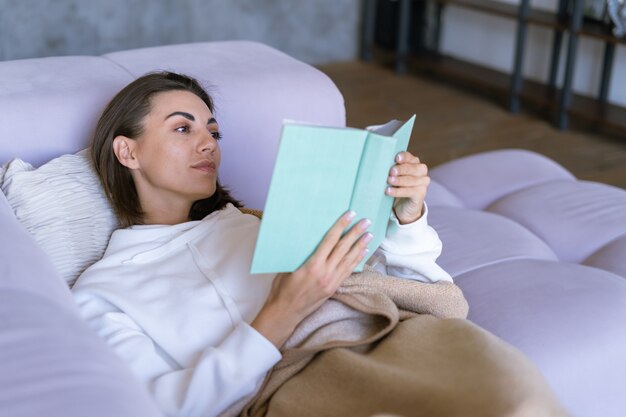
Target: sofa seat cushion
{"x": 473, "y": 239}
{"x": 568, "y": 318}
{"x": 610, "y": 257}
{"x": 439, "y": 195}
{"x": 478, "y": 180}
{"x": 575, "y": 218}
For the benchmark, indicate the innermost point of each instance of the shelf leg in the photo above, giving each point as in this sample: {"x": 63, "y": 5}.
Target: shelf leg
{"x": 556, "y": 48}
{"x": 554, "y": 60}
{"x": 437, "y": 30}
{"x": 566, "y": 93}
{"x": 516, "y": 78}
{"x": 402, "y": 48}
{"x": 368, "y": 30}
{"x": 607, "y": 66}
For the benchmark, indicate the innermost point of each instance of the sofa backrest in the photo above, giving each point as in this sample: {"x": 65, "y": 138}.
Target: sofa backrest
{"x": 49, "y": 106}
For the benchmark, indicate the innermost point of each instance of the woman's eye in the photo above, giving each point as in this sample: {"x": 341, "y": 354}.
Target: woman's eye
{"x": 182, "y": 129}
{"x": 216, "y": 135}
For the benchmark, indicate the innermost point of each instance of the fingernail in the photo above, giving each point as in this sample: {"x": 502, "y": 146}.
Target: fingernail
{"x": 394, "y": 172}
{"x": 365, "y": 224}
{"x": 392, "y": 179}
{"x": 399, "y": 158}
{"x": 349, "y": 216}
{"x": 388, "y": 190}
{"x": 368, "y": 237}
{"x": 364, "y": 252}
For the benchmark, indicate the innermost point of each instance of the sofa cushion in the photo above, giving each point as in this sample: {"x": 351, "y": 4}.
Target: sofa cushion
{"x": 24, "y": 266}
{"x": 480, "y": 179}
{"x": 610, "y": 257}
{"x": 52, "y": 364}
{"x": 439, "y": 195}
{"x": 473, "y": 239}
{"x": 64, "y": 207}
{"x": 59, "y": 99}
{"x": 569, "y": 319}
{"x": 575, "y": 218}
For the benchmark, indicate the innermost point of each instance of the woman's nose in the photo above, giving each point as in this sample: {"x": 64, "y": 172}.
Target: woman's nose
{"x": 208, "y": 143}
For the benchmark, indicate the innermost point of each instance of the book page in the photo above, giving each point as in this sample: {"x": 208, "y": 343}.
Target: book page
{"x": 388, "y": 129}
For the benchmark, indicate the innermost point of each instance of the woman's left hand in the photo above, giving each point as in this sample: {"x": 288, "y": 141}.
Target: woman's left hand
{"x": 408, "y": 182}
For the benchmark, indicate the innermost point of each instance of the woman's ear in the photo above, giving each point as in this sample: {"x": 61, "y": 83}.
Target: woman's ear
{"x": 124, "y": 149}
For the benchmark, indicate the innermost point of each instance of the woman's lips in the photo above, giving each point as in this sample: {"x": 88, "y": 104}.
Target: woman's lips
{"x": 205, "y": 166}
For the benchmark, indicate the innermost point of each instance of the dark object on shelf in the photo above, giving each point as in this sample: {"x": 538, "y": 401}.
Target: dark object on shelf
{"x": 617, "y": 12}
{"x": 594, "y": 10}
{"x": 558, "y": 101}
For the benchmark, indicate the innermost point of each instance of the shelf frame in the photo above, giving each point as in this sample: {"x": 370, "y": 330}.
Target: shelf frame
{"x": 562, "y": 103}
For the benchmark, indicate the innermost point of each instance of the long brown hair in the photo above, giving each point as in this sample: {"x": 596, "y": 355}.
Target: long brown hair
{"x": 125, "y": 115}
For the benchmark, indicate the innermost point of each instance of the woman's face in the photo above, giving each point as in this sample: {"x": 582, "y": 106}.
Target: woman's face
{"x": 177, "y": 155}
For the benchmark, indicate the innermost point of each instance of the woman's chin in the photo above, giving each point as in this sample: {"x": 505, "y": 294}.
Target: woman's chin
{"x": 204, "y": 194}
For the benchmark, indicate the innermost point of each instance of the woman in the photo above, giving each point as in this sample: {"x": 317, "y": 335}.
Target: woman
{"x": 173, "y": 294}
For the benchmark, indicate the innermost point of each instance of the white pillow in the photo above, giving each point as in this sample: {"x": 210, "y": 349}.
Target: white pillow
{"x": 3, "y": 168}
{"x": 63, "y": 206}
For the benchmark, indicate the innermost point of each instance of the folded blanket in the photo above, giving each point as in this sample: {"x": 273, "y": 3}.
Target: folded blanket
{"x": 388, "y": 345}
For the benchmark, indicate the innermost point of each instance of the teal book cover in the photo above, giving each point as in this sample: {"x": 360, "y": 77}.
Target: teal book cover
{"x": 320, "y": 173}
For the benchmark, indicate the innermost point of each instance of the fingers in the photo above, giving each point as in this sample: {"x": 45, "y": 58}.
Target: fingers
{"x": 408, "y": 177}
{"x": 347, "y": 242}
{"x": 407, "y": 157}
{"x": 408, "y": 181}
{"x": 332, "y": 237}
{"x": 357, "y": 252}
{"x": 408, "y": 164}
{"x": 412, "y": 169}
{"x": 408, "y": 187}
{"x": 334, "y": 248}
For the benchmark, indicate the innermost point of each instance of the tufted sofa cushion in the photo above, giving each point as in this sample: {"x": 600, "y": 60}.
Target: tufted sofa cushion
{"x": 575, "y": 218}
{"x": 541, "y": 258}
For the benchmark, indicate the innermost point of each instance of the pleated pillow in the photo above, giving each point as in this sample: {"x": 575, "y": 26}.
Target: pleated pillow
{"x": 63, "y": 206}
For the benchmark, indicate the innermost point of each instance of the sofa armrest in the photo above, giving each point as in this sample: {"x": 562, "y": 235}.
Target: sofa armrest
{"x": 52, "y": 364}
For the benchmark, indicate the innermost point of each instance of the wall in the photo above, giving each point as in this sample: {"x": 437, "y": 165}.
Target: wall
{"x": 490, "y": 41}
{"x": 317, "y": 31}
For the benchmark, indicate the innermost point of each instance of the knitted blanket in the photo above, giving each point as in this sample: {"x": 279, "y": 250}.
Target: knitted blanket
{"x": 385, "y": 345}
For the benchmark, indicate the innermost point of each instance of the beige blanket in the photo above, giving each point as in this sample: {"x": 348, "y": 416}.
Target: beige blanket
{"x": 388, "y": 346}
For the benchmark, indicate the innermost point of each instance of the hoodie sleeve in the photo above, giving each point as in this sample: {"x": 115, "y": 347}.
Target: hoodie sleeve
{"x": 221, "y": 375}
{"x": 410, "y": 251}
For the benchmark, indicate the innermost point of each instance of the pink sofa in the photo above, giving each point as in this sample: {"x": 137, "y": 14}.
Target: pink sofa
{"x": 540, "y": 256}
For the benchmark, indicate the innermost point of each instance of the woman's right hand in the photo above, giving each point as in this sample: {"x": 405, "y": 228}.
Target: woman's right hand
{"x": 296, "y": 295}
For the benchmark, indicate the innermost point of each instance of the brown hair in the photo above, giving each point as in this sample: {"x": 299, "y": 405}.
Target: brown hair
{"x": 125, "y": 115}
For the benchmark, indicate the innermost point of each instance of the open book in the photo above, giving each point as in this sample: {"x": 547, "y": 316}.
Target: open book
{"x": 320, "y": 173}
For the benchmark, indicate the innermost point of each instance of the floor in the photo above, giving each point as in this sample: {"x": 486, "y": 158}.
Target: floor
{"x": 452, "y": 122}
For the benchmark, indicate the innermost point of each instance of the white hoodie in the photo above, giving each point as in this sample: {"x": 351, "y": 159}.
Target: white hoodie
{"x": 176, "y": 301}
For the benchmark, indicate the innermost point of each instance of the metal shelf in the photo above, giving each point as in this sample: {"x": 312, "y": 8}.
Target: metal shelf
{"x": 562, "y": 102}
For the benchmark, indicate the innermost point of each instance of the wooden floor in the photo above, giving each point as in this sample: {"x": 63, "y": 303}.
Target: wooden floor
{"x": 452, "y": 122}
